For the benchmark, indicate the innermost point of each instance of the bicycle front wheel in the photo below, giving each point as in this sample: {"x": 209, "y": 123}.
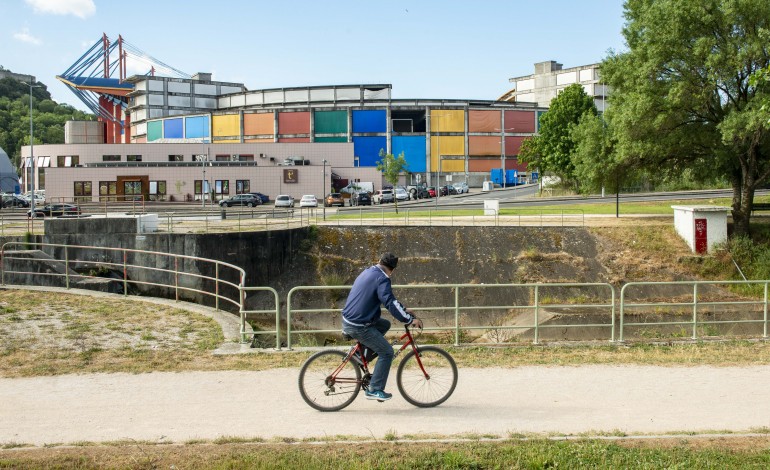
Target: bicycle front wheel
{"x": 322, "y": 388}
{"x": 427, "y": 379}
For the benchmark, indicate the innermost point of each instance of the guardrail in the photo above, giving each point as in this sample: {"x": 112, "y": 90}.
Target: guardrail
{"x": 604, "y": 306}
{"x": 176, "y": 273}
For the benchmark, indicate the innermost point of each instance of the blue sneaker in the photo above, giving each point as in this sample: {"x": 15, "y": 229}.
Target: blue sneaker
{"x": 378, "y": 395}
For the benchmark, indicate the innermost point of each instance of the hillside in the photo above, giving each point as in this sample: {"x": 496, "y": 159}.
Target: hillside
{"x": 48, "y": 116}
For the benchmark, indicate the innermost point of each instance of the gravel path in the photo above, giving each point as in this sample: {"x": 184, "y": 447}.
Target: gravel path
{"x": 206, "y": 405}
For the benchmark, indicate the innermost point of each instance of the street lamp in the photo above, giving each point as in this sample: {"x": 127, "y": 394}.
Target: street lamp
{"x": 323, "y": 190}
{"x": 31, "y": 146}
{"x": 502, "y": 150}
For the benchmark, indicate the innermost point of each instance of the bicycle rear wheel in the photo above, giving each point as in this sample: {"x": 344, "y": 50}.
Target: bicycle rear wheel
{"x": 431, "y": 384}
{"x": 324, "y": 391}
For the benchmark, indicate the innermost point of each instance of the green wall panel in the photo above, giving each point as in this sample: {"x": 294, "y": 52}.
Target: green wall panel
{"x": 331, "y": 139}
{"x": 154, "y": 130}
{"x": 331, "y": 122}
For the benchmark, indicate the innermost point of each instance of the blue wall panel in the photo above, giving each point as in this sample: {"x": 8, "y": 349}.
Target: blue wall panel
{"x": 413, "y": 147}
{"x": 370, "y": 121}
{"x": 172, "y": 129}
{"x": 197, "y": 127}
{"x": 367, "y": 149}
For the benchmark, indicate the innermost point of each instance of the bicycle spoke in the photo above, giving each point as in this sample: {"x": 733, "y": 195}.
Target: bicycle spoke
{"x": 430, "y": 384}
{"x": 324, "y": 392}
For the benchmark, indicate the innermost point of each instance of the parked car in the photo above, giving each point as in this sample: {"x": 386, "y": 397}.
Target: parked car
{"x": 249, "y": 200}
{"x": 361, "y": 198}
{"x": 431, "y": 191}
{"x": 262, "y": 197}
{"x": 284, "y": 200}
{"x": 12, "y": 200}
{"x": 382, "y": 196}
{"x": 334, "y": 199}
{"x": 420, "y": 192}
{"x": 461, "y": 188}
{"x": 54, "y": 210}
{"x": 401, "y": 194}
{"x": 308, "y": 200}
{"x": 450, "y": 190}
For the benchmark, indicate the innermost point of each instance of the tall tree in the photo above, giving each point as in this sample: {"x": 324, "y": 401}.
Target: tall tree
{"x": 391, "y": 167}
{"x": 552, "y": 149}
{"x": 682, "y": 96}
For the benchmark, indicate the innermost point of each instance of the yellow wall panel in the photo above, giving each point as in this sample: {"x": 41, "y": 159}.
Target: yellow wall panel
{"x": 226, "y": 125}
{"x": 453, "y": 165}
{"x": 226, "y": 141}
{"x": 447, "y": 120}
{"x": 447, "y": 145}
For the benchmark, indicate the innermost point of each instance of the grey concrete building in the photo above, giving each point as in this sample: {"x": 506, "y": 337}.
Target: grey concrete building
{"x": 550, "y": 78}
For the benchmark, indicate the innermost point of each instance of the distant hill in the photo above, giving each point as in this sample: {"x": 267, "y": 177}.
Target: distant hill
{"x": 48, "y": 116}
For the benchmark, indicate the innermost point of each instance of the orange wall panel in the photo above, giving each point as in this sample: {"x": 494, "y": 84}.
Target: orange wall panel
{"x": 519, "y": 121}
{"x": 263, "y": 141}
{"x": 294, "y": 123}
{"x": 484, "y": 145}
{"x": 484, "y": 121}
{"x": 294, "y": 139}
{"x": 258, "y": 124}
{"x": 484, "y": 164}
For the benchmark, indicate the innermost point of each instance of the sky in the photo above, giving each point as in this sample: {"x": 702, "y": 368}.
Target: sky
{"x": 442, "y": 49}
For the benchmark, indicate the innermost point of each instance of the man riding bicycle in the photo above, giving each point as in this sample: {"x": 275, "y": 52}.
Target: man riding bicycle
{"x": 361, "y": 319}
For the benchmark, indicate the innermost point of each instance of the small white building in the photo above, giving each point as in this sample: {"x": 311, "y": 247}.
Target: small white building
{"x": 702, "y": 227}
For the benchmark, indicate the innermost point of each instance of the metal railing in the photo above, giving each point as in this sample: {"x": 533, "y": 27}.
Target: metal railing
{"x": 603, "y": 305}
{"x": 176, "y": 273}
{"x": 689, "y": 304}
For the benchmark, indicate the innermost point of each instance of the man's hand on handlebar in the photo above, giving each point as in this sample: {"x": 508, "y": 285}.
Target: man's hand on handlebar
{"x": 416, "y": 323}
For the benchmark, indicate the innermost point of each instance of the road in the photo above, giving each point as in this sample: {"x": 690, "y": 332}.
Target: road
{"x": 179, "y": 407}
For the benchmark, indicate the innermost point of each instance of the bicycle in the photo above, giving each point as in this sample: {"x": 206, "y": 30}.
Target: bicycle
{"x": 330, "y": 380}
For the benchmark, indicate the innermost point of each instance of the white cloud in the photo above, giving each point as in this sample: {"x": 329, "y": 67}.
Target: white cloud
{"x": 24, "y": 36}
{"x": 80, "y": 8}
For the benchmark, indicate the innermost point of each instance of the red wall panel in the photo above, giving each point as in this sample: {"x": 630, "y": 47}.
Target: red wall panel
{"x": 484, "y": 145}
{"x": 519, "y": 121}
{"x": 483, "y": 164}
{"x": 513, "y": 145}
{"x": 294, "y": 123}
{"x": 294, "y": 139}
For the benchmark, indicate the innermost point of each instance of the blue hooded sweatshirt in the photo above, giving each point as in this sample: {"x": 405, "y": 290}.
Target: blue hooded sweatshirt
{"x": 370, "y": 290}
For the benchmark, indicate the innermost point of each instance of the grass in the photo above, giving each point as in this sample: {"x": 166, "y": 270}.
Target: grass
{"x": 682, "y": 452}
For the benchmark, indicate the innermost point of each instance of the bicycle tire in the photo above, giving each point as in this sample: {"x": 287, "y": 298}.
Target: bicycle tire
{"x": 437, "y": 387}
{"x": 315, "y": 387}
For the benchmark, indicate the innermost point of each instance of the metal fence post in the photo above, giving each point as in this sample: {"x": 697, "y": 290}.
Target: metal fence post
{"x": 695, "y": 311}
{"x": 216, "y": 286}
{"x": 537, "y": 313}
{"x": 457, "y": 315}
{"x": 66, "y": 267}
{"x": 125, "y": 273}
{"x": 176, "y": 278}
{"x": 764, "y": 334}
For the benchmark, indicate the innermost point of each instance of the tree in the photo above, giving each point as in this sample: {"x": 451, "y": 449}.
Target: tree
{"x": 682, "y": 95}
{"x": 391, "y": 167}
{"x": 552, "y": 149}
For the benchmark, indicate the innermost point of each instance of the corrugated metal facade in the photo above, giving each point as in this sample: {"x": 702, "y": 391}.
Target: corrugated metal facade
{"x": 447, "y": 120}
{"x": 226, "y": 125}
{"x": 369, "y": 121}
{"x": 330, "y": 122}
{"x": 484, "y": 121}
{"x": 367, "y": 149}
{"x": 197, "y": 127}
{"x": 262, "y": 124}
{"x": 154, "y": 130}
{"x": 484, "y": 145}
{"x": 520, "y": 121}
{"x": 413, "y": 147}
{"x": 294, "y": 123}
{"x": 450, "y": 145}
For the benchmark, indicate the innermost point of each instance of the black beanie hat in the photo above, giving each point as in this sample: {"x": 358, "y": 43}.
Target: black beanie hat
{"x": 389, "y": 259}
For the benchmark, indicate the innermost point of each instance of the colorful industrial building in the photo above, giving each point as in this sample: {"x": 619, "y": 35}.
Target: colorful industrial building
{"x": 171, "y": 122}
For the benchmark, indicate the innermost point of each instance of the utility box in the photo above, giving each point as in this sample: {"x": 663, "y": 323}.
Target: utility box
{"x": 491, "y": 206}
{"x": 702, "y": 227}
{"x": 487, "y": 186}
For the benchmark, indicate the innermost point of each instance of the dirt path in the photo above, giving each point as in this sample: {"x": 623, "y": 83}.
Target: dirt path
{"x": 180, "y": 407}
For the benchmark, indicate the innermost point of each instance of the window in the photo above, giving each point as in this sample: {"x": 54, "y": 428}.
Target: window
{"x": 67, "y": 160}
{"x": 157, "y": 190}
{"x": 242, "y": 186}
{"x": 222, "y": 158}
{"x": 222, "y": 187}
{"x": 198, "y": 184}
{"x": 176, "y": 158}
{"x": 83, "y": 189}
{"x": 108, "y": 188}
{"x": 245, "y": 158}
{"x": 110, "y": 158}
{"x": 132, "y": 190}
{"x": 133, "y": 158}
